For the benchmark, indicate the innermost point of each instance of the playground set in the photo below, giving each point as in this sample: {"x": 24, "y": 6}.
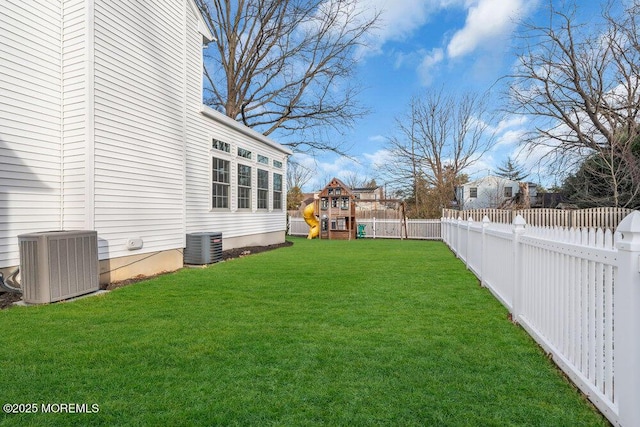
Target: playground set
{"x": 332, "y": 215}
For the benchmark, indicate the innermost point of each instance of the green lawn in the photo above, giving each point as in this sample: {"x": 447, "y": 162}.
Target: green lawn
{"x": 336, "y": 333}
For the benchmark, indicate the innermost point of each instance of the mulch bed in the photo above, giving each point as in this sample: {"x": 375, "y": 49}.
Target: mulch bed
{"x": 8, "y": 298}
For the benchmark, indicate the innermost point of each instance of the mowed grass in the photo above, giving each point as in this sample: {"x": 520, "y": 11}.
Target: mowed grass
{"x": 335, "y": 333}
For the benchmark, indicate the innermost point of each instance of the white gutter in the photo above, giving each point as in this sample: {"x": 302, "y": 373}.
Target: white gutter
{"x": 228, "y": 121}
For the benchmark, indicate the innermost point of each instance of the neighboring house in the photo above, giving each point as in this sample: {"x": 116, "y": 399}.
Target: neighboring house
{"x": 490, "y": 192}
{"x": 102, "y": 128}
{"x": 368, "y": 193}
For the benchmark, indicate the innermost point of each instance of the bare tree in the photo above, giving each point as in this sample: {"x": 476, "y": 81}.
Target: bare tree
{"x": 285, "y": 65}
{"x": 356, "y": 180}
{"x": 580, "y": 86}
{"x": 442, "y": 136}
{"x": 298, "y": 175}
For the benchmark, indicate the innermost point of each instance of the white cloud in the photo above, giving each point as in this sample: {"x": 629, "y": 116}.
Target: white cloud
{"x": 512, "y": 121}
{"x": 487, "y": 21}
{"x": 510, "y": 138}
{"x": 398, "y": 19}
{"x": 378, "y": 159}
{"x": 377, "y": 138}
{"x": 481, "y": 168}
{"x": 428, "y": 64}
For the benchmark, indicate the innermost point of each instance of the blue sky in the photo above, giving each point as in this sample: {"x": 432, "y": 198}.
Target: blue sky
{"x": 452, "y": 44}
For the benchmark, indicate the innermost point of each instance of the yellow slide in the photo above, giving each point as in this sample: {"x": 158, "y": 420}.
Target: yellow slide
{"x": 310, "y": 218}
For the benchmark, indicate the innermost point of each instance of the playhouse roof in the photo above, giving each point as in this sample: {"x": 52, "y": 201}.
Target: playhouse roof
{"x": 336, "y": 183}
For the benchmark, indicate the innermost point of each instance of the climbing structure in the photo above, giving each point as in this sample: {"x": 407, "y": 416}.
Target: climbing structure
{"x": 337, "y": 211}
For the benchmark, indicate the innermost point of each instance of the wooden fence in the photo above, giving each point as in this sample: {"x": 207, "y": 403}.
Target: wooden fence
{"x": 579, "y": 218}
{"x": 575, "y": 291}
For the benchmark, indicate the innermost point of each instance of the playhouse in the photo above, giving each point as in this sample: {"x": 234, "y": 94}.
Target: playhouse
{"x": 337, "y": 211}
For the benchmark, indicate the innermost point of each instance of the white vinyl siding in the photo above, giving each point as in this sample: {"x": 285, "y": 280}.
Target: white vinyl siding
{"x": 235, "y": 222}
{"x": 102, "y": 127}
{"x": 76, "y": 131}
{"x": 139, "y": 124}
{"x": 30, "y": 122}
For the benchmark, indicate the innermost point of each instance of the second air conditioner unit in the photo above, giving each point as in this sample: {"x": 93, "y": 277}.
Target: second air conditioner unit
{"x": 203, "y": 248}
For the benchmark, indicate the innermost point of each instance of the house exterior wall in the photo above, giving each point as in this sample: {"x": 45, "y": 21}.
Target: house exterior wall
{"x": 489, "y": 192}
{"x": 102, "y": 127}
{"x": 234, "y": 223}
{"x": 77, "y": 126}
{"x": 30, "y": 122}
{"x": 139, "y": 125}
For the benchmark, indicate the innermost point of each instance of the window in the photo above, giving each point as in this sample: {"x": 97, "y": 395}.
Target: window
{"x": 244, "y": 153}
{"x": 339, "y": 223}
{"x": 220, "y": 145}
{"x": 473, "y": 192}
{"x": 277, "y": 164}
{"x": 508, "y": 191}
{"x": 338, "y": 191}
{"x": 263, "y": 159}
{"x": 334, "y": 202}
{"x": 220, "y": 187}
{"x": 244, "y": 187}
{"x": 277, "y": 191}
{"x": 344, "y": 203}
{"x": 324, "y": 203}
{"x": 263, "y": 189}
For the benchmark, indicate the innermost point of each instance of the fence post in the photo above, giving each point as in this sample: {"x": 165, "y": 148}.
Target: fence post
{"x": 627, "y": 322}
{"x": 516, "y": 304}
{"x": 485, "y": 224}
{"x": 458, "y": 233}
{"x": 373, "y": 226}
{"x": 443, "y": 229}
{"x": 468, "y": 250}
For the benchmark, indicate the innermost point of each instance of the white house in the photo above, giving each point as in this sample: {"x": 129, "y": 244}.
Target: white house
{"x": 102, "y": 128}
{"x": 489, "y": 192}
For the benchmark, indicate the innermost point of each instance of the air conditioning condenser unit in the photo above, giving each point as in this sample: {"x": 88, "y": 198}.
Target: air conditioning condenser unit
{"x": 57, "y": 265}
{"x": 203, "y": 248}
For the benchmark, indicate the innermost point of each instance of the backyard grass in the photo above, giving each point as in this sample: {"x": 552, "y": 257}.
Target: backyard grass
{"x": 336, "y": 333}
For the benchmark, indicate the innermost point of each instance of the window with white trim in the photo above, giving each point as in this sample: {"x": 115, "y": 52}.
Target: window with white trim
{"x": 244, "y": 153}
{"x": 220, "y": 184}
{"x": 277, "y": 191}
{"x": 244, "y": 186}
{"x": 216, "y": 144}
{"x": 263, "y": 189}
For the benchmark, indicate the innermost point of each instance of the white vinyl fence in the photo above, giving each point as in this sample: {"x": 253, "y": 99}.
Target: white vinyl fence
{"x": 575, "y": 291}
{"x": 427, "y": 229}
